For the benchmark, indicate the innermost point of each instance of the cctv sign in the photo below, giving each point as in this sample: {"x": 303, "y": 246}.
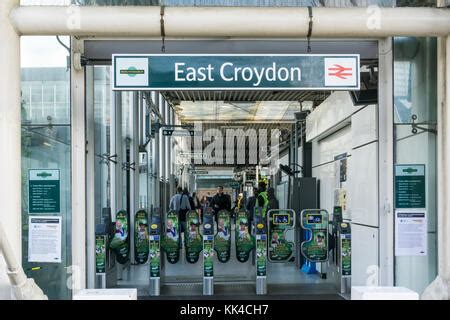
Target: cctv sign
{"x": 235, "y": 72}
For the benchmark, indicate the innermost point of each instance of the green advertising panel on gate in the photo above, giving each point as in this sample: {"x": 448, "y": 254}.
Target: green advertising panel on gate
{"x": 171, "y": 240}
{"x": 120, "y": 242}
{"x": 244, "y": 240}
{"x": 100, "y": 253}
{"x": 222, "y": 240}
{"x": 192, "y": 237}
{"x": 141, "y": 237}
{"x": 236, "y": 72}
{"x": 280, "y": 222}
{"x": 315, "y": 222}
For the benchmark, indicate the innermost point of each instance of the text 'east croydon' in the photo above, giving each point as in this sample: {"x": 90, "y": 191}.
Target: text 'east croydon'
{"x": 229, "y": 72}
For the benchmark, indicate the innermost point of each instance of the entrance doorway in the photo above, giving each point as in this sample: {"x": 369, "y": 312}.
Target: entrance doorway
{"x": 144, "y": 146}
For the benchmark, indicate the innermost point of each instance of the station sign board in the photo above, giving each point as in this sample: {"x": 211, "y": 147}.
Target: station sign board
{"x": 178, "y": 133}
{"x": 44, "y": 191}
{"x": 236, "y": 72}
{"x": 410, "y": 186}
{"x": 198, "y": 171}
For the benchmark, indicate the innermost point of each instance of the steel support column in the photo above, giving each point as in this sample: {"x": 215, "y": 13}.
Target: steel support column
{"x": 10, "y": 141}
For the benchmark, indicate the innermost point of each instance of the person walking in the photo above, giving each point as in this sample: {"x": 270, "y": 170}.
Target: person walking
{"x": 251, "y": 202}
{"x": 273, "y": 202}
{"x": 220, "y": 201}
{"x": 180, "y": 204}
{"x": 196, "y": 201}
{"x": 262, "y": 201}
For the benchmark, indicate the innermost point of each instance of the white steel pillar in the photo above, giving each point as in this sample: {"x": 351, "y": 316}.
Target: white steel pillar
{"x": 385, "y": 272}
{"x": 156, "y": 155}
{"x": 90, "y": 177}
{"x": 78, "y": 171}
{"x": 10, "y": 142}
{"x": 439, "y": 289}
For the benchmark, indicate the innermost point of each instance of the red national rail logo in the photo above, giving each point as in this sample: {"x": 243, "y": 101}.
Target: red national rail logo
{"x": 339, "y": 71}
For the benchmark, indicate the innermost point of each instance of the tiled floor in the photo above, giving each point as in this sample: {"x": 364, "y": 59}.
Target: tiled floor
{"x": 233, "y": 278}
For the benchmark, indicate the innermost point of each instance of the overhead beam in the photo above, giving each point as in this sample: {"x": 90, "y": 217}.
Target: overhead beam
{"x": 256, "y": 22}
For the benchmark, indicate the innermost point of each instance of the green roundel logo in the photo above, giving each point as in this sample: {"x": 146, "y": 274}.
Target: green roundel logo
{"x": 132, "y": 71}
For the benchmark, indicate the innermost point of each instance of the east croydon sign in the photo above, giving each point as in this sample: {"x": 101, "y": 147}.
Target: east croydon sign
{"x": 235, "y": 72}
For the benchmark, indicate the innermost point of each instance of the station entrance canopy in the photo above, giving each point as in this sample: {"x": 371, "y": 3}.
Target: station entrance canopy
{"x": 236, "y": 72}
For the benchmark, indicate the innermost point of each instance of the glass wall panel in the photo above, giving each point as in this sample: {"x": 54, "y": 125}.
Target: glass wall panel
{"x": 415, "y": 101}
{"x": 102, "y": 139}
{"x": 46, "y": 144}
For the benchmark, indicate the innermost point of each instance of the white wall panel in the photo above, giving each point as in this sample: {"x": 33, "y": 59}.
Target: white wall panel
{"x": 364, "y": 255}
{"x": 334, "y": 110}
{"x": 325, "y": 150}
{"x": 363, "y": 185}
{"x": 364, "y": 126}
{"x": 325, "y": 174}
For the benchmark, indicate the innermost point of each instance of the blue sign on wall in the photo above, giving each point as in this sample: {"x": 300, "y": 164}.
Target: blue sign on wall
{"x": 236, "y": 72}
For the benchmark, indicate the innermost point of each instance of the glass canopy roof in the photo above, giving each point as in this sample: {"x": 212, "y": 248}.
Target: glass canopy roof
{"x": 258, "y": 111}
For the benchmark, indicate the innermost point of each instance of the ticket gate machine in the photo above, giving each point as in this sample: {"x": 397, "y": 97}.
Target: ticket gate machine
{"x": 105, "y": 260}
{"x": 344, "y": 238}
{"x": 155, "y": 252}
{"x": 341, "y": 246}
{"x": 281, "y": 224}
{"x": 316, "y": 248}
{"x": 261, "y": 253}
{"x": 208, "y": 252}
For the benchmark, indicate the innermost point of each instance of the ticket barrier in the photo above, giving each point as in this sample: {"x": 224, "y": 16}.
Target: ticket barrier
{"x": 344, "y": 238}
{"x": 155, "y": 252}
{"x": 316, "y": 248}
{"x": 261, "y": 252}
{"x": 105, "y": 260}
{"x": 281, "y": 225}
{"x": 340, "y": 246}
{"x": 208, "y": 252}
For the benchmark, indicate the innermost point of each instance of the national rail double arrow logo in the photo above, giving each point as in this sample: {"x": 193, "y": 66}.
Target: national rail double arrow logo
{"x": 339, "y": 71}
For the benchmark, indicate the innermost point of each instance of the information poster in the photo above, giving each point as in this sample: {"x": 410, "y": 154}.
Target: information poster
{"x": 44, "y": 191}
{"x": 410, "y": 233}
{"x": 193, "y": 238}
{"x": 222, "y": 240}
{"x": 44, "y": 239}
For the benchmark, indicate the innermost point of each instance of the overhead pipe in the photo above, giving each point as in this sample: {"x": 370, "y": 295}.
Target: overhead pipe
{"x": 256, "y": 22}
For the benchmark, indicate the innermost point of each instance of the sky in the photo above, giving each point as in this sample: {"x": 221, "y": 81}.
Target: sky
{"x": 39, "y": 51}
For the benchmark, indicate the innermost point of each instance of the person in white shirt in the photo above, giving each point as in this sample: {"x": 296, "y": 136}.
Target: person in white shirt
{"x": 180, "y": 204}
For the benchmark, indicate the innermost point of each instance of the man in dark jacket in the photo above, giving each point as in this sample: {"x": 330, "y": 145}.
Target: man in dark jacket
{"x": 220, "y": 201}
{"x": 251, "y": 202}
{"x": 273, "y": 202}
